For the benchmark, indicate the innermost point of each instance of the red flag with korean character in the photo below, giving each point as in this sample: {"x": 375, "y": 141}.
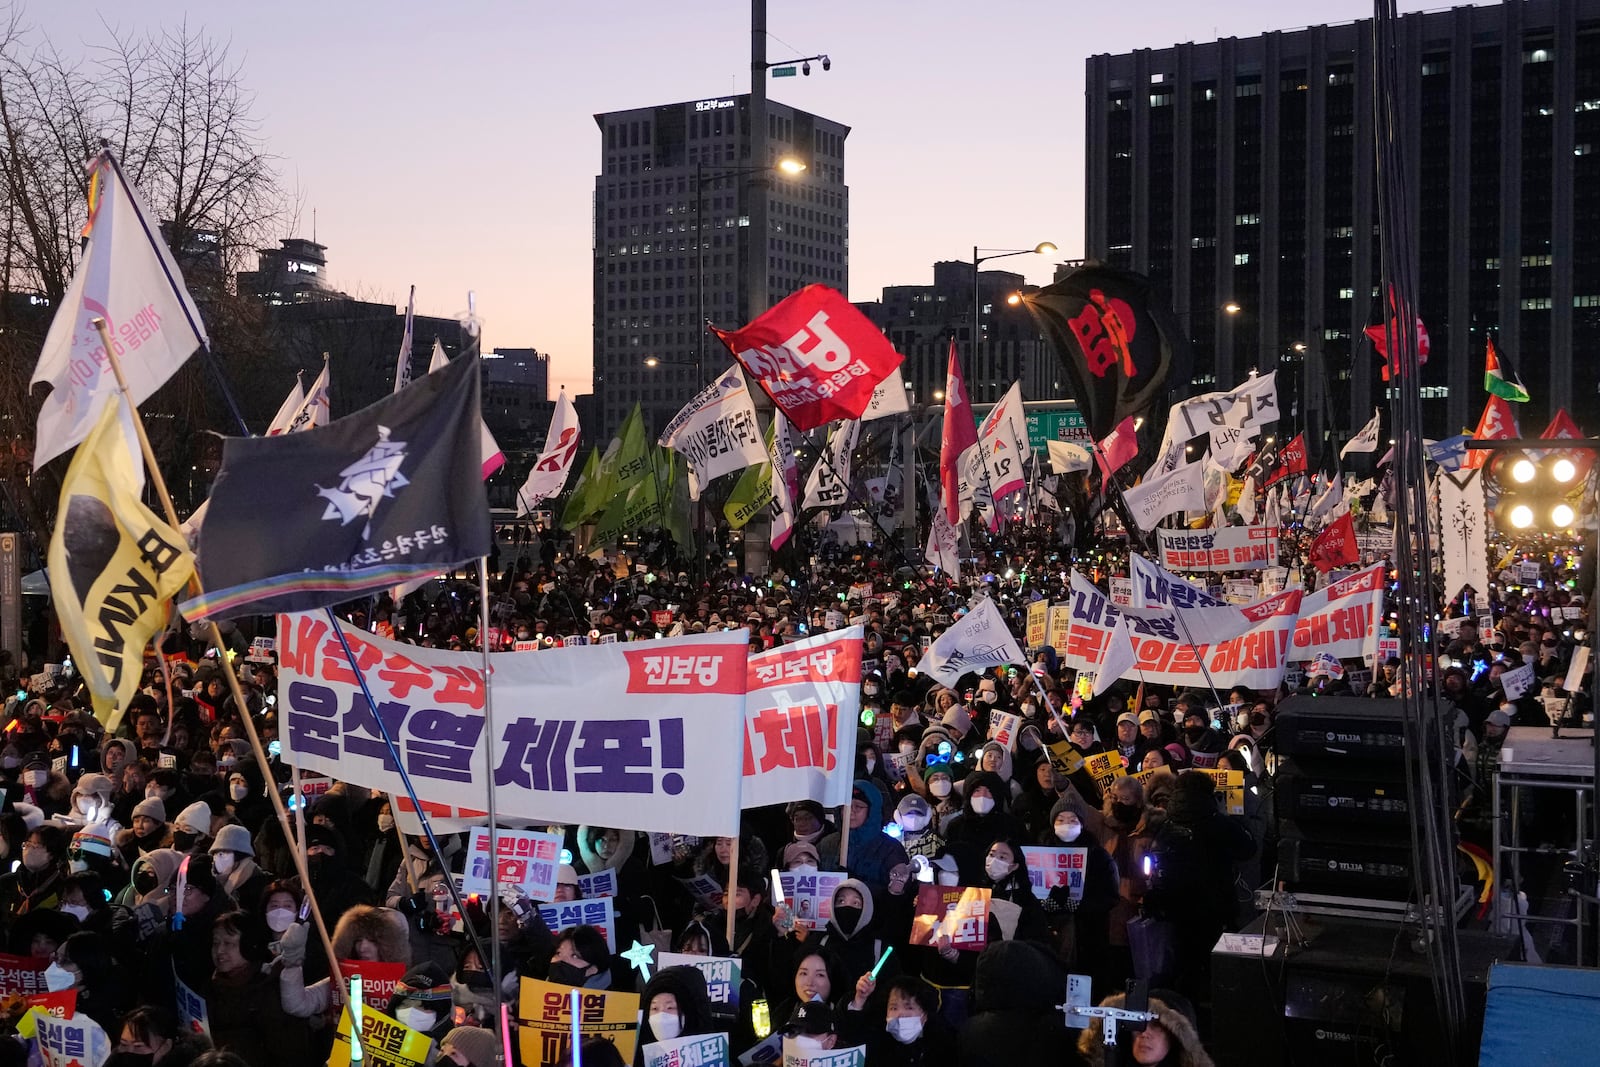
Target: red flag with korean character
{"x": 1379, "y": 336}
{"x": 1117, "y": 337}
{"x": 1119, "y": 446}
{"x": 1499, "y": 423}
{"x": 1336, "y": 545}
{"x": 815, "y": 355}
{"x": 800, "y": 717}
{"x": 1291, "y": 460}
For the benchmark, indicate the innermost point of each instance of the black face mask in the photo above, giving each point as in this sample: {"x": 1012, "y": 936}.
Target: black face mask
{"x": 561, "y": 972}
{"x": 847, "y": 917}
{"x": 1194, "y": 733}
{"x": 131, "y": 1059}
{"x": 152, "y": 839}
{"x": 1127, "y": 814}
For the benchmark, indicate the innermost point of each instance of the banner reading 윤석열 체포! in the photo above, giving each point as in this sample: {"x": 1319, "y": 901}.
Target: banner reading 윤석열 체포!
{"x": 800, "y": 721}
{"x": 602, "y": 734}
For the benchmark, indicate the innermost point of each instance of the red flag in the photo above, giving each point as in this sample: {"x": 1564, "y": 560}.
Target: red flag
{"x": 1291, "y": 460}
{"x": 960, "y": 436}
{"x": 1562, "y": 427}
{"x": 815, "y": 355}
{"x": 1120, "y": 445}
{"x": 1336, "y": 545}
{"x": 1499, "y": 423}
{"x": 1380, "y": 339}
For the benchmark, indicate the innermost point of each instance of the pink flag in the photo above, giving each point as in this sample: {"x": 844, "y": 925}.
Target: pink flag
{"x": 960, "y": 436}
{"x": 1120, "y": 445}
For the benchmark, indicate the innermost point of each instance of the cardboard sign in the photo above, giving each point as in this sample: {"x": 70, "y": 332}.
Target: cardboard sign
{"x": 722, "y": 974}
{"x": 706, "y": 1050}
{"x": 957, "y": 912}
{"x": 544, "y": 1021}
{"x": 1003, "y": 727}
{"x": 385, "y": 1042}
{"x": 600, "y": 914}
{"x": 528, "y": 859}
{"x": 1517, "y": 682}
{"x": 1051, "y": 866}
{"x": 795, "y": 1056}
{"x": 1038, "y": 614}
{"x": 1065, "y": 757}
{"x": 192, "y": 1006}
{"x": 77, "y": 1041}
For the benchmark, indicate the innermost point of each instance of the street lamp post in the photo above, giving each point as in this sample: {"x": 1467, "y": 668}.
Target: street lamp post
{"x": 1043, "y": 248}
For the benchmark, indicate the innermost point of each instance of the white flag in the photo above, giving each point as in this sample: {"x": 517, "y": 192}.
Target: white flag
{"x": 128, "y": 278}
{"x": 828, "y": 485}
{"x": 785, "y": 474}
{"x": 1274, "y": 516}
{"x": 978, "y": 640}
{"x": 1117, "y": 658}
{"x": 288, "y": 409}
{"x": 1247, "y": 500}
{"x": 316, "y": 409}
{"x": 1328, "y": 499}
{"x": 549, "y": 473}
{"x": 717, "y": 431}
{"x": 1066, "y": 457}
{"x": 489, "y": 453}
{"x": 1002, "y": 447}
{"x": 1367, "y": 439}
{"x": 889, "y": 398}
{"x": 1155, "y": 498}
{"x": 944, "y": 545}
{"x": 402, "y": 366}
{"x": 1250, "y": 406}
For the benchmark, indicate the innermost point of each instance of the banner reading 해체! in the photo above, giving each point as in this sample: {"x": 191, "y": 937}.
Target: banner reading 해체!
{"x": 544, "y": 1020}
{"x": 599, "y": 735}
{"x": 1232, "y": 548}
{"x": 800, "y": 718}
{"x": 1341, "y": 618}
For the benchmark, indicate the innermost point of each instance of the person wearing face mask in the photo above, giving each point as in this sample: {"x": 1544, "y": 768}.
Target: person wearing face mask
{"x": 873, "y": 855}
{"x": 913, "y": 1035}
{"x": 676, "y": 1004}
{"x": 84, "y": 897}
{"x": 1044, "y": 788}
{"x": 91, "y": 802}
{"x": 280, "y": 907}
{"x": 1014, "y": 911}
{"x": 1128, "y": 831}
{"x": 102, "y": 989}
{"x": 581, "y": 959}
{"x": 985, "y": 818}
{"x": 1080, "y": 930}
{"x": 421, "y": 1000}
{"x": 919, "y": 830}
{"x": 812, "y": 1027}
{"x": 233, "y": 857}
{"x": 1204, "y": 743}
{"x": 36, "y": 883}
{"x": 148, "y": 832}
{"x": 150, "y": 1036}
{"x": 937, "y": 779}
{"x": 247, "y": 1016}
{"x": 383, "y": 853}
{"x": 191, "y": 830}
{"x": 856, "y": 935}
{"x": 45, "y": 789}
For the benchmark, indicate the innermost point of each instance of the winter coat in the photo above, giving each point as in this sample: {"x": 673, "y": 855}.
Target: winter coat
{"x": 1187, "y": 1050}
{"x": 873, "y": 853}
{"x": 688, "y": 986}
{"x": 857, "y": 948}
{"x": 969, "y": 834}
{"x": 248, "y": 1019}
{"x": 936, "y": 1047}
{"x": 384, "y": 927}
{"x": 1014, "y": 1019}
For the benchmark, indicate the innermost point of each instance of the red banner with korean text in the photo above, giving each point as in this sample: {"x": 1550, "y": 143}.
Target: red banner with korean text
{"x": 961, "y": 914}
{"x": 800, "y": 718}
{"x": 1336, "y": 545}
{"x": 599, "y": 734}
{"x": 815, "y": 355}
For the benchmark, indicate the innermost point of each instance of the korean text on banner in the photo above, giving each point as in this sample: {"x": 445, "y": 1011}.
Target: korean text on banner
{"x": 22, "y": 975}
{"x": 810, "y": 895}
{"x": 192, "y": 1006}
{"x": 385, "y": 1042}
{"x": 1060, "y": 625}
{"x": 1052, "y": 866}
{"x": 75, "y": 1042}
{"x": 1038, "y": 613}
{"x": 378, "y": 979}
{"x": 544, "y": 1021}
{"x": 1341, "y": 618}
{"x": 528, "y": 859}
{"x": 800, "y": 717}
{"x": 1232, "y": 548}
{"x": 795, "y": 1056}
{"x": 600, "y": 735}
{"x": 600, "y": 913}
{"x": 707, "y": 1050}
{"x": 722, "y": 974}
{"x": 961, "y": 914}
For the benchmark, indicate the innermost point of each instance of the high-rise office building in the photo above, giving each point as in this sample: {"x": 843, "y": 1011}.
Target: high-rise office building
{"x": 1239, "y": 174}
{"x": 672, "y": 237}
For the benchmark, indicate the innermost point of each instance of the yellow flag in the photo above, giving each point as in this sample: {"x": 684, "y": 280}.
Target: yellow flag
{"x": 114, "y": 567}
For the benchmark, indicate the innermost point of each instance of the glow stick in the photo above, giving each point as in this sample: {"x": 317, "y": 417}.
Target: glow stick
{"x": 881, "y": 961}
{"x": 777, "y": 887}
{"x": 355, "y": 1020}
{"x": 505, "y": 1031}
{"x": 577, "y": 1033}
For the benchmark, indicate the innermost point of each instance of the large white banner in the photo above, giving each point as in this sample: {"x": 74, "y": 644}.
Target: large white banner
{"x": 1163, "y": 494}
{"x": 1248, "y": 407}
{"x": 1002, "y": 446}
{"x": 644, "y": 735}
{"x": 1232, "y": 548}
{"x": 977, "y": 641}
{"x": 717, "y": 431}
{"x": 1463, "y": 532}
{"x": 828, "y": 485}
{"x": 800, "y": 718}
{"x": 1341, "y": 618}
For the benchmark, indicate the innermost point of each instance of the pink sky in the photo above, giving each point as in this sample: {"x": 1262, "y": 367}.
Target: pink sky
{"x": 453, "y": 146}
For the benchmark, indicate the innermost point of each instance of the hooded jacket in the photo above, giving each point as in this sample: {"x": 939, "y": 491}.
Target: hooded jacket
{"x": 1187, "y": 1050}
{"x": 969, "y": 834}
{"x": 873, "y": 853}
{"x": 1015, "y": 988}
{"x": 858, "y": 944}
{"x": 688, "y": 987}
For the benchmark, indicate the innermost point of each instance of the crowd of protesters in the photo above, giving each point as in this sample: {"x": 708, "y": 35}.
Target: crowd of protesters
{"x": 150, "y": 861}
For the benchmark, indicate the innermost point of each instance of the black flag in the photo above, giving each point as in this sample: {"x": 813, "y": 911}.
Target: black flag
{"x": 307, "y": 520}
{"x": 1117, "y": 337}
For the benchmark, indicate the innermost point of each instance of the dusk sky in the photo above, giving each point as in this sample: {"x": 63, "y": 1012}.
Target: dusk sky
{"x": 454, "y": 147}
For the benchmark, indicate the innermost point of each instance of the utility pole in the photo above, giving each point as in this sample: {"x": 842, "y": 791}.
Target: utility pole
{"x": 758, "y": 532}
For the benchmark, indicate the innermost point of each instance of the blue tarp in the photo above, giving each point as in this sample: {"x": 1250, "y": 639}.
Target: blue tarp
{"x": 1541, "y": 1015}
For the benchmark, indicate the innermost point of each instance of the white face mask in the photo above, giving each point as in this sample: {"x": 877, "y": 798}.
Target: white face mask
{"x": 872, "y": 764}
{"x": 153, "y": 793}
{"x": 869, "y": 690}
{"x": 809, "y": 1042}
{"x": 996, "y": 868}
{"x": 57, "y": 977}
{"x": 666, "y": 1025}
{"x": 419, "y": 1019}
{"x": 279, "y": 919}
{"x": 35, "y": 859}
{"x": 983, "y": 805}
{"x": 905, "y": 1029}
{"x": 1068, "y": 832}
{"x": 238, "y": 791}
{"x": 913, "y": 822}
{"x": 941, "y": 788}
{"x": 222, "y": 863}
{"x": 77, "y": 911}
{"x": 37, "y": 779}
{"x": 386, "y": 826}
{"x": 987, "y": 698}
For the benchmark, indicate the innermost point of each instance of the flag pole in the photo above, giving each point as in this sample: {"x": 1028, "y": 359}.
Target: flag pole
{"x": 160, "y": 485}
{"x": 733, "y": 881}
{"x": 488, "y": 788}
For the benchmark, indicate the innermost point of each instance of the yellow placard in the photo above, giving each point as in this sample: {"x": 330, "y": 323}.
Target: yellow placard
{"x": 1038, "y": 613}
{"x": 1105, "y": 768}
{"x": 1060, "y": 622}
{"x": 1230, "y": 784}
{"x": 1065, "y": 757}
{"x": 544, "y": 1020}
{"x": 385, "y": 1042}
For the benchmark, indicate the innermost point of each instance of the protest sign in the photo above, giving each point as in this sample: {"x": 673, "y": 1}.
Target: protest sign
{"x": 1341, "y": 618}
{"x": 192, "y": 1006}
{"x": 1038, "y": 614}
{"x": 1230, "y": 784}
{"x": 600, "y": 914}
{"x": 385, "y": 1042}
{"x": 528, "y": 860}
{"x": 1050, "y": 866}
{"x": 1230, "y": 548}
{"x": 721, "y": 973}
{"x": 1238, "y": 590}
{"x": 378, "y": 980}
{"x": 959, "y": 913}
{"x": 795, "y": 1056}
{"x": 22, "y": 975}
{"x": 1517, "y": 681}
{"x": 1003, "y": 726}
{"x": 978, "y": 640}
{"x": 1065, "y": 757}
{"x": 77, "y": 1041}
{"x": 599, "y": 884}
{"x": 61, "y": 1004}
{"x": 544, "y": 1021}
{"x": 800, "y": 715}
{"x": 706, "y": 1050}
{"x": 706, "y": 890}
{"x": 1060, "y": 625}
{"x": 810, "y": 895}
{"x": 1105, "y": 768}
{"x": 1121, "y": 590}
{"x": 599, "y": 735}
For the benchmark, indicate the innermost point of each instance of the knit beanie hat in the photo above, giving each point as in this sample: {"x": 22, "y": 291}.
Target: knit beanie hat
{"x": 196, "y": 818}
{"x": 233, "y": 838}
{"x": 151, "y": 807}
{"x": 476, "y": 1043}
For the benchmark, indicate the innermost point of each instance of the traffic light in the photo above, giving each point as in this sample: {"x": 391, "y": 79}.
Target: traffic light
{"x": 1537, "y": 494}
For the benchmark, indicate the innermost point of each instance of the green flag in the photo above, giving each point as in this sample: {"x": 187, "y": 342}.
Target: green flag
{"x": 752, "y": 492}
{"x": 1496, "y": 381}
{"x": 677, "y": 517}
{"x": 579, "y": 502}
{"x": 631, "y": 462}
